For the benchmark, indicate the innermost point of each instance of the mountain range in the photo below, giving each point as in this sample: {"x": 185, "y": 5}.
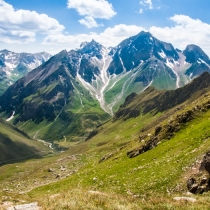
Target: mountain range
{"x": 73, "y": 92}
{"x": 13, "y": 66}
{"x": 153, "y": 153}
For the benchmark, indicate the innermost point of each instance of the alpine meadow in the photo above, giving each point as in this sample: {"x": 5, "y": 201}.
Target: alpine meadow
{"x": 104, "y": 105}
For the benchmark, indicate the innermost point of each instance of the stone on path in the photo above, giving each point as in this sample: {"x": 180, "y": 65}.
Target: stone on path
{"x": 29, "y": 206}
{"x": 184, "y": 199}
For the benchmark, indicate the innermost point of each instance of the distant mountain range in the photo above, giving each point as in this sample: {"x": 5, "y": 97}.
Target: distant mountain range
{"x": 13, "y": 66}
{"x": 74, "y": 91}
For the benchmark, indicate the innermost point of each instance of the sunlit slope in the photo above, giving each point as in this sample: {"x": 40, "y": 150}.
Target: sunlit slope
{"x": 161, "y": 161}
{"x": 158, "y": 173}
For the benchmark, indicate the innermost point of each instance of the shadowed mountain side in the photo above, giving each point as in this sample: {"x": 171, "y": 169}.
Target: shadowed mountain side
{"x": 152, "y": 99}
{"x": 15, "y": 146}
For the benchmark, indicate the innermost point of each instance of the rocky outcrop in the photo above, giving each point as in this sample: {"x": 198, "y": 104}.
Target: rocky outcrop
{"x": 167, "y": 131}
{"x": 106, "y": 157}
{"x": 92, "y": 134}
{"x": 161, "y": 132}
{"x": 152, "y": 143}
{"x": 205, "y": 164}
{"x": 200, "y": 182}
{"x": 198, "y": 185}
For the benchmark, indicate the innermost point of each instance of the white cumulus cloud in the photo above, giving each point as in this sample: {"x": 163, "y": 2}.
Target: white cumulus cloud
{"x": 89, "y": 22}
{"x": 92, "y": 9}
{"x": 109, "y": 37}
{"x": 147, "y": 3}
{"x": 21, "y": 26}
{"x": 185, "y": 31}
{"x": 141, "y": 11}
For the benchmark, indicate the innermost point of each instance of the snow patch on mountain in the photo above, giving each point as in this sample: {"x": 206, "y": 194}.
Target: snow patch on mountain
{"x": 178, "y": 67}
{"x": 34, "y": 64}
{"x": 124, "y": 69}
{"x": 125, "y": 87}
{"x": 12, "y": 116}
{"x": 162, "y": 54}
{"x": 202, "y": 61}
{"x": 98, "y": 86}
{"x": 12, "y": 59}
{"x": 10, "y": 65}
{"x": 16, "y": 65}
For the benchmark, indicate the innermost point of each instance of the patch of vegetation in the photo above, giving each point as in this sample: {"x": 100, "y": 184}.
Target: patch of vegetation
{"x": 16, "y": 146}
{"x": 150, "y": 180}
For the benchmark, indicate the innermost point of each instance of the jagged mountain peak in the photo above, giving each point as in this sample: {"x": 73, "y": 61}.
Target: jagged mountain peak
{"x": 92, "y": 44}
{"x": 61, "y": 54}
{"x": 135, "y": 64}
{"x": 139, "y": 38}
{"x": 16, "y": 65}
{"x": 92, "y": 48}
{"x": 137, "y": 49}
{"x": 5, "y": 51}
{"x": 83, "y": 44}
{"x": 193, "y": 53}
{"x": 144, "y": 36}
{"x": 144, "y": 33}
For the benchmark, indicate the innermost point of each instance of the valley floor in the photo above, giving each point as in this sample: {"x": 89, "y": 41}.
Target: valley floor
{"x": 101, "y": 173}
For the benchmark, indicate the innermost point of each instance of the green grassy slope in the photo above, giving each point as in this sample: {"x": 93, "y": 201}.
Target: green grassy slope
{"x": 16, "y": 146}
{"x": 156, "y": 176}
{"x": 98, "y": 173}
{"x": 159, "y": 101}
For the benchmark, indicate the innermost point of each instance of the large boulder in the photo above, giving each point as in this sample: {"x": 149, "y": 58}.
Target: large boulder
{"x": 205, "y": 164}
{"x": 200, "y": 182}
{"x": 198, "y": 185}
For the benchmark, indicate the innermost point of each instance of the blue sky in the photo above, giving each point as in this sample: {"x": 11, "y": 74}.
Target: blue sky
{"x": 54, "y": 25}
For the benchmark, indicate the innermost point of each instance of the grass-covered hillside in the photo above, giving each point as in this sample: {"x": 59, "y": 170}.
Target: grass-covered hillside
{"x": 16, "y": 146}
{"x": 140, "y": 161}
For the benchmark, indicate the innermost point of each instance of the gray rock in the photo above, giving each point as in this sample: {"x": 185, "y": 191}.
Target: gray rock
{"x": 58, "y": 176}
{"x": 184, "y": 199}
{"x": 50, "y": 170}
{"x": 198, "y": 185}
{"x": 205, "y": 164}
{"x": 30, "y": 206}
{"x": 157, "y": 130}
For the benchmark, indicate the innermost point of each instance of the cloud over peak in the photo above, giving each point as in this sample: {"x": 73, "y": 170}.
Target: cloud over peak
{"x": 186, "y": 30}
{"x": 111, "y": 36}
